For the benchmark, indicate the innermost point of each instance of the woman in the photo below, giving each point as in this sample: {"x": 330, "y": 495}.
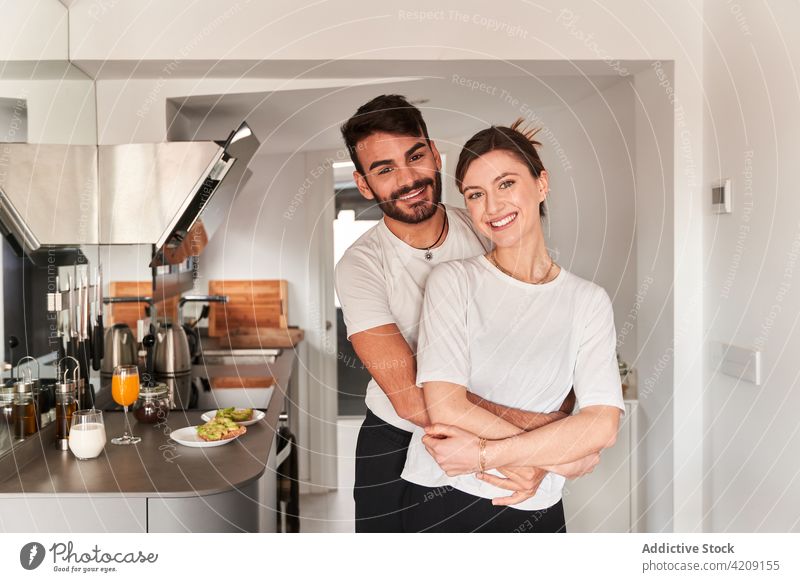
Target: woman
{"x": 519, "y": 330}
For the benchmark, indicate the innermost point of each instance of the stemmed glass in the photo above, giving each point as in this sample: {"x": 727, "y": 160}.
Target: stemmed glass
{"x": 125, "y": 391}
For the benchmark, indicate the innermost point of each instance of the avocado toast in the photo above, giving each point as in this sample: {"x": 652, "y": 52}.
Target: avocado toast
{"x": 219, "y": 429}
{"x": 236, "y": 414}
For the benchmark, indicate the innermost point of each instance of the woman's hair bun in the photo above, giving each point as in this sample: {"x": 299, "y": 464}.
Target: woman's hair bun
{"x": 527, "y": 131}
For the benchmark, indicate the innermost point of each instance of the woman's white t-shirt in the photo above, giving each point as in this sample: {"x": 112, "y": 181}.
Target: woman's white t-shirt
{"x": 381, "y": 280}
{"x": 515, "y": 344}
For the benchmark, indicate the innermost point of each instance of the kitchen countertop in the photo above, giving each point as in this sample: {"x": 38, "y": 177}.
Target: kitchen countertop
{"x": 156, "y": 467}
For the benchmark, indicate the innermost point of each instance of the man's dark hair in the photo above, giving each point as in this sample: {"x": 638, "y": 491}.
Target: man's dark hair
{"x": 387, "y": 114}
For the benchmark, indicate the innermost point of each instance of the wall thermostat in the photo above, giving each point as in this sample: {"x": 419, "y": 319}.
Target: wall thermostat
{"x": 721, "y": 202}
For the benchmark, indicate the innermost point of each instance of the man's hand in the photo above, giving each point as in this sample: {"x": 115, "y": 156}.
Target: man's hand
{"x": 569, "y": 403}
{"x": 523, "y": 481}
{"x": 524, "y": 419}
{"x": 577, "y": 468}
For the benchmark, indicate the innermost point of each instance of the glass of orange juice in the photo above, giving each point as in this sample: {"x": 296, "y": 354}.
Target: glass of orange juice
{"x": 125, "y": 391}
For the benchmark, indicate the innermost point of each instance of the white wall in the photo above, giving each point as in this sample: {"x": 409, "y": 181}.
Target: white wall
{"x": 753, "y": 293}
{"x": 588, "y": 149}
{"x": 653, "y": 311}
{"x": 34, "y": 31}
{"x": 60, "y": 111}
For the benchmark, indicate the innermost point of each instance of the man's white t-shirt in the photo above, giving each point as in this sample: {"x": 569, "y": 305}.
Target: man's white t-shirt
{"x": 516, "y": 344}
{"x": 381, "y": 280}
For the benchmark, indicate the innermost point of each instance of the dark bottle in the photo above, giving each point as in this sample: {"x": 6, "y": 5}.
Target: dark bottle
{"x": 23, "y": 414}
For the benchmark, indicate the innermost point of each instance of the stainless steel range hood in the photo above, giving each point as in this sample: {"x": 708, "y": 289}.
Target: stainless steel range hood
{"x": 48, "y": 195}
{"x": 59, "y": 195}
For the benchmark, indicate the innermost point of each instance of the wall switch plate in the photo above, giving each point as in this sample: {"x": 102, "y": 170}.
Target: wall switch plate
{"x": 741, "y": 363}
{"x": 721, "y": 196}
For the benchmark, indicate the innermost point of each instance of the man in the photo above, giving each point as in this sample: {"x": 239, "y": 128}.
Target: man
{"x": 380, "y": 282}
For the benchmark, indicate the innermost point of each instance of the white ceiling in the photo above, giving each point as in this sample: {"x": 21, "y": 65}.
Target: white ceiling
{"x": 309, "y": 119}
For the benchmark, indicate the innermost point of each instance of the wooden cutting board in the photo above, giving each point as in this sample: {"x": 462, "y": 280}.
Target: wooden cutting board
{"x": 221, "y": 382}
{"x": 263, "y": 338}
{"x": 252, "y": 305}
{"x": 131, "y": 312}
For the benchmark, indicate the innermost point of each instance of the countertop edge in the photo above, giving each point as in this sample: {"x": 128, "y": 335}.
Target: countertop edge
{"x": 28, "y": 451}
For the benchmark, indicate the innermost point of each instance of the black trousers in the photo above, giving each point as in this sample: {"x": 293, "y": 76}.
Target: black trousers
{"x": 446, "y": 509}
{"x": 380, "y": 457}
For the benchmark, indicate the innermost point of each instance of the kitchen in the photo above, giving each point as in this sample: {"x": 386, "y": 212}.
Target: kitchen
{"x": 63, "y": 358}
{"x": 116, "y": 122}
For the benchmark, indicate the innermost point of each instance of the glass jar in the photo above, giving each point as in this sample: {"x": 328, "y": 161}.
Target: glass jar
{"x": 23, "y": 415}
{"x": 152, "y": 406}
{"x": 39, "y": 403}
{"x": 47, "y": 399}
{"x": 65, "y": 407}
{"x": 6, "y": 404}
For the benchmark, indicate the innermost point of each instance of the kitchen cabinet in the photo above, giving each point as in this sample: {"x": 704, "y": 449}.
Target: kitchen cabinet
{"x": 606, "y": 499}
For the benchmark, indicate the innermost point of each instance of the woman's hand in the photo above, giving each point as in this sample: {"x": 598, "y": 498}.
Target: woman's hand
{"x": 523, "y": 481}
{"x": 456, "y": 450}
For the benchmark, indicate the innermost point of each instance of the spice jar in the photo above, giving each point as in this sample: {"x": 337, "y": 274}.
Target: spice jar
{"x": 66, "y": 402}
{"x": 23, "y": 414}
{"x": 39, "y": 396}
{"x": 152, "y": 406}
{"x": 65, "y": 407}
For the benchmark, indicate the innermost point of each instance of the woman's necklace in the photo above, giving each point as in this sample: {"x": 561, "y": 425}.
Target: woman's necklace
{"x": 428, "y": 253}
{"x": 493, "y": 259}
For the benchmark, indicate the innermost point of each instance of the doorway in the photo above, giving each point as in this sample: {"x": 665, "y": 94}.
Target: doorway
{"x": 355, "y": 215}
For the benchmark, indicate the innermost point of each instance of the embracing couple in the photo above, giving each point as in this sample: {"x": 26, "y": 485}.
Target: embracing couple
{"x": 478, "y": 343}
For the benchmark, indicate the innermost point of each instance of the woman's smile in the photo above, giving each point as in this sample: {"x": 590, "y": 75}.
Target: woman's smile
{"x": 502, "y": 222}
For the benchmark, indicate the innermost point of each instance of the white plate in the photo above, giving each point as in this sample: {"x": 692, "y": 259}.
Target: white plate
{"x": 188, "y": 437}
{"x": 257, "y": 415}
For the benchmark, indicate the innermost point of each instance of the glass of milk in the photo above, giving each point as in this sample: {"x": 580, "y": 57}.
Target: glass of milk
{"x": 87, "y": 434}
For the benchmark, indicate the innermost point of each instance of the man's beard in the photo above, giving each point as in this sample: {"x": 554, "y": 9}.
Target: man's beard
{"x": 419, "y": 211}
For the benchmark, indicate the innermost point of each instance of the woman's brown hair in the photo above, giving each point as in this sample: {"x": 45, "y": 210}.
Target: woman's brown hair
{"x": 517, "y": 140}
